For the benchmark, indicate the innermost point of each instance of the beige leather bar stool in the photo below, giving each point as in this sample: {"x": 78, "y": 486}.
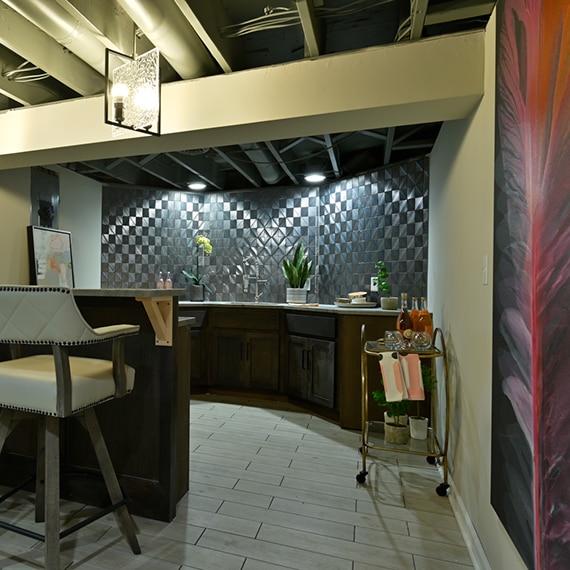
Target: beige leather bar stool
{"x": 55, "y": 386}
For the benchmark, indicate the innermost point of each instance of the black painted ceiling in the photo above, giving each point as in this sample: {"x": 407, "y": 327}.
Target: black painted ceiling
{"x": 37, "y": 40}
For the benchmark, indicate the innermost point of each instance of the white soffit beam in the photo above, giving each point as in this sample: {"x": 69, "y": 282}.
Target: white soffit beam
{"x": 401, "y": 84}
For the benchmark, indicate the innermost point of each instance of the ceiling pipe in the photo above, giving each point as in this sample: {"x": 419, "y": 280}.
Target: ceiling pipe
{"x": 50, "y": 17}
{"x": 165, "y": 26}
{"x": 264, "y": 162}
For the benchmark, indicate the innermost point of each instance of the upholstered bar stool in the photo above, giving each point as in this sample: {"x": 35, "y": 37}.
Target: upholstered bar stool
{"x": 55, "y": 386}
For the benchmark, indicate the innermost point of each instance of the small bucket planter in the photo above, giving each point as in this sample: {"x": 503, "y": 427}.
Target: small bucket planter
{"x": 397, "y": 434}
{"x": 418, "y": 427}
{"x": 389, "y": 303}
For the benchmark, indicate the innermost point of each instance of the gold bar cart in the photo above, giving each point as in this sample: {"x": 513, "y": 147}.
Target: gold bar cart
{"x": 433, "y": 448}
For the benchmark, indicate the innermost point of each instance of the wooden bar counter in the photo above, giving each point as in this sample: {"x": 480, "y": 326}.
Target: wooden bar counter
{"x": 147, "y": 432}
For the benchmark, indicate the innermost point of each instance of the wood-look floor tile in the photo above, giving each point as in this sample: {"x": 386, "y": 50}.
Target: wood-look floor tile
{"x": 289, "y": 520}
{"x": 341, "y": 549}
{"x": 272, "y": 552}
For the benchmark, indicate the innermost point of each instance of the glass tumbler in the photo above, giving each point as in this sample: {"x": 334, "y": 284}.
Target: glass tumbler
{"x": 421, "y": 340}
{"x": 393, "y": 340}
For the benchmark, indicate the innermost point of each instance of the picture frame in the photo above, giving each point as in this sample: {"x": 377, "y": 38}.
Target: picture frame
{"x": 50, "y": 257}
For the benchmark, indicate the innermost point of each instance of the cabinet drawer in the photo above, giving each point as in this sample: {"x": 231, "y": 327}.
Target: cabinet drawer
{"x": 257, "y": 319}
{"x": 310, "y": 325}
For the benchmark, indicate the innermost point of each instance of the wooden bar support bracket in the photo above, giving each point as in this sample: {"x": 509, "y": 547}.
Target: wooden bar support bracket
{"x": 159, "y": 311}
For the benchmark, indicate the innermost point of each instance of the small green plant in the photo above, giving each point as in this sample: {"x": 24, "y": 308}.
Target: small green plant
{"x": 298, "y": 270}
{"x": 382, "y": 278}
{"x": 394, "y": 409}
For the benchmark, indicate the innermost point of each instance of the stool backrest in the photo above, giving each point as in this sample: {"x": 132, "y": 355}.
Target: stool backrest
{"x": 42, "y": 315}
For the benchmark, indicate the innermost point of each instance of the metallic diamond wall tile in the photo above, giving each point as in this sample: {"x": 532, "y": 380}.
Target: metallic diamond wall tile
{"x": 347, "y": 226}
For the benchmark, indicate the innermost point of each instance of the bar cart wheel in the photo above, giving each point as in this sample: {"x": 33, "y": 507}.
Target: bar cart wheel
{"x": 431, "y": 459}
{"x": 441, "y": 490}
{"x": 361, "y": 477}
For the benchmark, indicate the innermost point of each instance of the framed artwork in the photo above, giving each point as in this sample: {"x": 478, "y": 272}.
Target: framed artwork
{"x": 51, "y": 262}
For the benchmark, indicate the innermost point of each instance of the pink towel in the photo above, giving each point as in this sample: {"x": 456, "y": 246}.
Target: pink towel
{"x": 412, "y": 374}
{"x": 394, "y": 383}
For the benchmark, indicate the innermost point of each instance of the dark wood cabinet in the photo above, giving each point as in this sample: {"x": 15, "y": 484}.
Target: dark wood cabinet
{"x": 312, "y": 370}
{"x": 245, "y": 349}
{"x": 198, "y": 348}
{"x": 311, "y": 358}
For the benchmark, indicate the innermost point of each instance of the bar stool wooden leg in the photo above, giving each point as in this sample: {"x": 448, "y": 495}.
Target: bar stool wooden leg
{"x": 52, "y": 524}
{"x": 40, "y": 471}
{"x": 5, "y": 425}
{"x": 124, "y": 519}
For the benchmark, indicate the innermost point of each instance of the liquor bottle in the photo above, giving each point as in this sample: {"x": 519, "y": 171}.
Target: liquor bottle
{"x": 404, "y": 323}
{"x": 160, "y": 282}
{"x": 168, "y": 282}
{"x": 415, "y": 313}
{"x": 425, "y": 322}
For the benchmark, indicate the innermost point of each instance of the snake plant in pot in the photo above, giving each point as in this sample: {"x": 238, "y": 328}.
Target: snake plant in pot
{"x": 297, "y": 271}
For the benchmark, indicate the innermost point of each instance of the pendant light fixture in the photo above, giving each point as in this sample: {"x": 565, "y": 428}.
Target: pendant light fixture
{"x": 132, "y": 91}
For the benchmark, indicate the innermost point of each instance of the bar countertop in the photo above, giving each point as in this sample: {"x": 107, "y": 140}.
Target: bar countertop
{"x": 129, "y": 292}
{"x": 309, "y": 307}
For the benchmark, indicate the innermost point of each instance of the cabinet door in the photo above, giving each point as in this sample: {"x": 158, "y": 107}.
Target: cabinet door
{"x": 262, "y": 356}
{"x": 227, "y": 358}
{"x": 321, "y": 372}
{"x": 297, "y": 366}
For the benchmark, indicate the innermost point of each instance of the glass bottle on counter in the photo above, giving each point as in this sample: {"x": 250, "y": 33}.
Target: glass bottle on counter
{"x": 425, "y": 322}
{"x": 168, "y": 282}
{"x": 160, "y": 282}
{"x": 404, "y": 323}
{"x": 415, "y": 313}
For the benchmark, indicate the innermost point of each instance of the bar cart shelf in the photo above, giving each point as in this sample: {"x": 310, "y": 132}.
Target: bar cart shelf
{"x": 434, "y": 448}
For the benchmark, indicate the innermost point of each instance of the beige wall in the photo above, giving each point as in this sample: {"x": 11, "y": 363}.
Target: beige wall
{"x": 79, "y": 213}
{"x": 461, "y": 234}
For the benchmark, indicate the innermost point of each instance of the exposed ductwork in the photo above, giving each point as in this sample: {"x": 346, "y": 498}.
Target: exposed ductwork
{"x": 264, "y": 162}
{"x": 165, "y": 26}
{"x": 64, "y": 28}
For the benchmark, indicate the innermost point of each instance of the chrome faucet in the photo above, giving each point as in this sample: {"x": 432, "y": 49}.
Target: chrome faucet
{"x": 247, "y": 277}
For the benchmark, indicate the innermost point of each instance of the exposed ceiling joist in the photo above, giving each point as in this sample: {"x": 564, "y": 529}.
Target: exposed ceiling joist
{"x": 311, "y": 27}
{"x": 418, "y": 17}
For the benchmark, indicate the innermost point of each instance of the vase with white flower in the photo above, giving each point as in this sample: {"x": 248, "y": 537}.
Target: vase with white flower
{"x": 197, "y": 285}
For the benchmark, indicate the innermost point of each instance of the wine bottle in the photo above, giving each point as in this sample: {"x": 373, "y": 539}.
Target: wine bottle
{"x": 415, "y": 313}
{"x": 168, "y": 282}
{"x": 425, "y": 322}
{"x": 404, "y": 323}
{"x": 160, "y": 282}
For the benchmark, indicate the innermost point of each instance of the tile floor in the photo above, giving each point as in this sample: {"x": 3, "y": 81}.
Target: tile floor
{"x": 273, "y": 487}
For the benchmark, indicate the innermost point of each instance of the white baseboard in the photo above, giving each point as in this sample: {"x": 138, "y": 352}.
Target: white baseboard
{"x": 474, "y": 546}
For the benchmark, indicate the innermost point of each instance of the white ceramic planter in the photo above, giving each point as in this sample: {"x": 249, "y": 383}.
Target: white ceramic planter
{"x": 295, "y": 295}
{"x": 418, "y": 428}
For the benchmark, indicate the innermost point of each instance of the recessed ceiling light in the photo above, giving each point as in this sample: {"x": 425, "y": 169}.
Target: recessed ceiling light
{"x": 314, "y": 177}
{"x": 196, "y": 185}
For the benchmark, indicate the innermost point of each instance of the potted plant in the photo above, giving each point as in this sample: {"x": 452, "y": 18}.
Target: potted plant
{"x": 297, "y": 271}
{"x": 395, "y": 418}
{"x": 419, "y": 423}
{"x": 387, "y": 303}
{"x": 196, "y": 280}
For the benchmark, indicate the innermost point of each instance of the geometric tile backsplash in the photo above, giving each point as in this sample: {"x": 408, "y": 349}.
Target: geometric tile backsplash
{"x": 346, "y": 226}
